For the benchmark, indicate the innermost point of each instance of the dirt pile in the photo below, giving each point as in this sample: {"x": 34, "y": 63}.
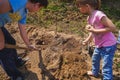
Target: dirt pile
{"x": 73, "y": 68}
{"x": 62, "y": 57}
{"x": 64, "y": 60}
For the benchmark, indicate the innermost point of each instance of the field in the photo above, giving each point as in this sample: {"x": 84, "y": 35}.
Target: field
{"x": 59, "y": 31}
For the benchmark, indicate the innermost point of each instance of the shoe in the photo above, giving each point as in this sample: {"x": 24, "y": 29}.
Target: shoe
{"x": 91, "y": 74}
{"x": 21, "y": 62}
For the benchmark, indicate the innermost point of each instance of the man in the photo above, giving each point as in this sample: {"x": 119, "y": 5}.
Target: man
{"x": 15, "y": 10}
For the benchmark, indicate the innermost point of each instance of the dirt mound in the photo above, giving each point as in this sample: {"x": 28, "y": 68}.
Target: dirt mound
{"x": 3, "y": 75}
{"x": 73, "y": 68}
{"x": 62, "y": 57}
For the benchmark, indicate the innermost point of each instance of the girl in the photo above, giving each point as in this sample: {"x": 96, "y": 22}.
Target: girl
{"x": 100, "y": 28}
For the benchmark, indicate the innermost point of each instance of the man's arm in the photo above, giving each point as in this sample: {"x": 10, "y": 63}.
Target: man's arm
{"x": 2, "y": 40}
{"x": 4, "y": 6}
{"x": 23, "y": 34}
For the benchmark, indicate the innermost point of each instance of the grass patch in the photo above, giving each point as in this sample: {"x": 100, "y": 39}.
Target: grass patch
{"x": 59, "y": 12}
{"x": 117, "y": 23}
{"x": 113, "y": 13}
{"x": 118, "y": 65}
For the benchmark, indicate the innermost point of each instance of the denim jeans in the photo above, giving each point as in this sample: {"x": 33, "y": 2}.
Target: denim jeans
{"x": 106, "y": 54}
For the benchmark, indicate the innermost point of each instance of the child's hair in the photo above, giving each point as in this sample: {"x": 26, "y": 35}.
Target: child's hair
{"x": 42, "y": 2}
{"x": 96, "y": 4}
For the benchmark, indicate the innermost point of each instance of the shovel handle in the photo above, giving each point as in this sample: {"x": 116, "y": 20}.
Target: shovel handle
{"x": 15, "y": 46}
{"x": 18, "y": 47}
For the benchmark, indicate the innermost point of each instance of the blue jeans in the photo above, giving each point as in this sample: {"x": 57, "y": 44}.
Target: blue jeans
{"x": 106, "y": 54}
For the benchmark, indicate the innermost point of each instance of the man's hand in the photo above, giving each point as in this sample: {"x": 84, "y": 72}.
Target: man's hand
{"x": 2, "y": 40}
{"x": 31, "y": 47}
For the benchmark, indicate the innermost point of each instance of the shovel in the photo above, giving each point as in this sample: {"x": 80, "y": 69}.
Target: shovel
{"x": 17, "y": 47}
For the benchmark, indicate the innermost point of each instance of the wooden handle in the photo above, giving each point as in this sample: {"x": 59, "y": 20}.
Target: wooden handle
{"x": 15, "y": 46}
{"x": 18, "y": 47}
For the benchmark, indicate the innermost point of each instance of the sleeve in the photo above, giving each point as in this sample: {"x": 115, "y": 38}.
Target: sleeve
{"x": 4, "y": 18}
{"x": 1, "y": 24}
{"x": 100, "y": 15}
{"x": 17, "y": 4}
{"x": 23, "y": 13}
{"x": 23, "y": 20}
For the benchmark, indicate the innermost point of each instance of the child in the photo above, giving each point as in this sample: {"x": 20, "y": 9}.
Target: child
{"x": 100, "y": 28}
{"x": 17, "y": 11}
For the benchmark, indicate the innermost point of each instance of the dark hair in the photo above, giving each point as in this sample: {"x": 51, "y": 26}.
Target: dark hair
{"x": 94, "y": 3}
{"x": 42, "y": 2}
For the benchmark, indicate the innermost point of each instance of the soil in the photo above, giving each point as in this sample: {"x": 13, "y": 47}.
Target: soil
{"x": 62, "y": 57}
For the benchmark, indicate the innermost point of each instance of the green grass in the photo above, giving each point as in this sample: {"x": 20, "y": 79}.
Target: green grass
{"x": 117, "y": 23}
{"x": 58, "y": 11}
{"x": 118, "y": 65}
{"x": 113, "y": 14}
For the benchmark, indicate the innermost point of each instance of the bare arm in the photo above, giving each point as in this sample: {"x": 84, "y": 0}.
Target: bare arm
{"x": 4, "y": 6}
{"x": 2, "y": 40}
{"x": 23, "y": 34}
{"x": 109, "y": 26}
{"x": 88, "y": 39}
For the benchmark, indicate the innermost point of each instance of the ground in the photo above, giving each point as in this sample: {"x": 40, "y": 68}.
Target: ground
{"x": 62, "y": 56}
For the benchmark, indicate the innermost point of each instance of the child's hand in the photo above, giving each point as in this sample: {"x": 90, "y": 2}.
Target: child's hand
{"x": 89, "y": 28}
{"x": 84, "y": 43}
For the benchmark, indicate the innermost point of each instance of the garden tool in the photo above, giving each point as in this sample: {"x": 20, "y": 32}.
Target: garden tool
{"x": 90, "y": 49}
{"x": 17, "y": 47}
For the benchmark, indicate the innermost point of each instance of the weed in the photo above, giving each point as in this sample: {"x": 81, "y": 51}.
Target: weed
{"x": 117, "y": 24}
{"x": 118, "y": 65}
